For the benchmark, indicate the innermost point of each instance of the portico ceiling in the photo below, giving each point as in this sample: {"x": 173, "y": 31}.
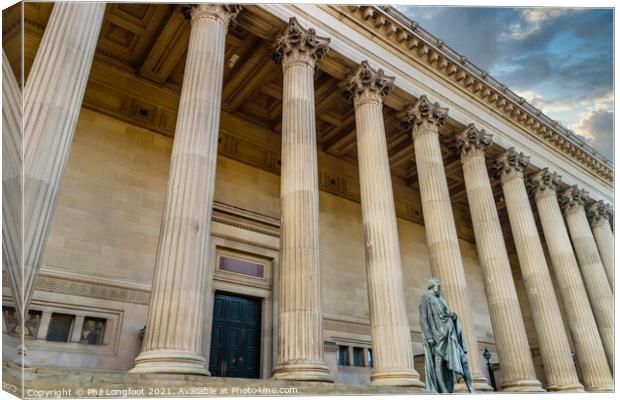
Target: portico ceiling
{"x": 137, "y": 77}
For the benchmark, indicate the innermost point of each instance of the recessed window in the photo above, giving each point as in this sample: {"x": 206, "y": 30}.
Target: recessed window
{"x": 343, "y": 355}
{"x": 11, "y": 322}
{"x": 60, "y": 327}
{"x": 369, "y": 359}
{"x": 32, "y": 324}
{"x": 93, "y": 330}
{"x": 241, "y": 266}
{"x": 358, "y": 357}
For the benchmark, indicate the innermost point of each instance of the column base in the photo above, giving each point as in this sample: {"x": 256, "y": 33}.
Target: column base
{"x": 21, "y": 360}
{"x": 524, "y": 385}
{"x": 302, "y": 371}
{"x": 480, "y": 385}
{"x": 170, "y": 362}
{"x": 397, "y": 377}
{"x": 598, "y": 389}
{"x": 575, "y": 387}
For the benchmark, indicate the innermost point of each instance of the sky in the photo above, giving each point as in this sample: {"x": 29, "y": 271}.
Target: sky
{"x": 559, "y": 59}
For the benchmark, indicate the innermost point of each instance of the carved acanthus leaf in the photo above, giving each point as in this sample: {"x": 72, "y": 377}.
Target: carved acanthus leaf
{"x": 510, "y": 163}
{"x": 368, "y": 82}
{"x": 424, "y": 112}
{"x": 223, "y": 13}
{"x": 573, "y": 198}
{"x": 473, "y": 140}
{"x": 295, "y": 42}
{"x": 600, "y": 213}
{"x": 544, "y": 181}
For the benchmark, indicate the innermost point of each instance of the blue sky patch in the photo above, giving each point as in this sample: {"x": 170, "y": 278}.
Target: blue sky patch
{"x": 558, "y": 59}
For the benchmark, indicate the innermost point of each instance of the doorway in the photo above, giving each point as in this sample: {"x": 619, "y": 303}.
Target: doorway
{"x": 235, "y": 336}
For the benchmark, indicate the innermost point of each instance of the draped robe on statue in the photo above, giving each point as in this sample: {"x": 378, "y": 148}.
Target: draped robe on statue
{"x": 448, "y": 353}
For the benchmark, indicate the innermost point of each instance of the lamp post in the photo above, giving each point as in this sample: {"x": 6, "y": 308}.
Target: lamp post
{"x": 487, "y": 356}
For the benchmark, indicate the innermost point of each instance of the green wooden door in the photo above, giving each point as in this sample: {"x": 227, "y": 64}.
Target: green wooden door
{"x": 235, "y": 338}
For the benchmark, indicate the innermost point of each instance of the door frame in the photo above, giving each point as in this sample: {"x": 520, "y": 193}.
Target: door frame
{"x": 237, "y": 284}
{"x": 259, "y": 325}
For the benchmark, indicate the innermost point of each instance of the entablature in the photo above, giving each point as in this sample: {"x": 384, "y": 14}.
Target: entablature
{"x": 381, "y": 39}
{"x": 444, "y": 63}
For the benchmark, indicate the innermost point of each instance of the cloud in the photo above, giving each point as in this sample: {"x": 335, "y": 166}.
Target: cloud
{"x": 559, "y": 59}
{"x": 471, "y": 31}
{"x": 598, "y": 130}
{"x": 569, "y": 52}
{"x": 527, "y": 47}
{"x": 536, "y": 16}
{"x": 532, "y": 19}
{"x": 586, "y": 102}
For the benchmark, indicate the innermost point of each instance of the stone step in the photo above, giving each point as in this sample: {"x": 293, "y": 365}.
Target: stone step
{"x": 57, "y": 382}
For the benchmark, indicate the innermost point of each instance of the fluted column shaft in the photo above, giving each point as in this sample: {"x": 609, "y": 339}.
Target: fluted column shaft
{"x": 172, "y": 341}
{"x": 389, "y": 324}
{"x": 590, "y": 354}
{"x": 508, "y": 328}
{"x": 52, "y": 100}
{"x": 300, "y": 325}
{"x": 391, "y": 335}
{"x": 441, "y": 236}
{"x": 600, "y": 216}
{"x": 12, "y": 185}
{"x": 592, "y": 271}
{"x": 604, "y": 238}
{"x": 553, "y": 342}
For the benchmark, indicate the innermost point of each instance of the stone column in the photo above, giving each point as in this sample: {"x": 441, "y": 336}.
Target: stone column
{"x": 13, "y": 192}
{"x": 300, "y": 325}
{"x": 513, "y": 349}
{"x": 12, "y": 186}
{"x": 52, "y": 100}
{"x": 592, "y": 271}
{"x": 425, "y": 118}
{"x": 600, "y": 216}
{"x": 590, "y": 354}
{"x": 391, "y": 336}
{"x": 559, "y": 367}
{"x": 173, "y": 336}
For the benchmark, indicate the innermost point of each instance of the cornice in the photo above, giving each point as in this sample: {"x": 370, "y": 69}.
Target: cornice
{"x": 66, "y": 282}
{"x": 391, "y": 26}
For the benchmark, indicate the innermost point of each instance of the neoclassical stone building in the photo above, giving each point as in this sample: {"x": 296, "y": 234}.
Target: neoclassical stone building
{"x": 262, "y": 191}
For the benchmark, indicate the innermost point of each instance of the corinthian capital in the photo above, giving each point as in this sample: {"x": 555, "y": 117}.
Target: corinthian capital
{"x": 367, "y": 83}
{"x": 544, "y": 182}
{"x": 424, "y": 113}
{"x": 599, "y": 213}
{"x": 573, "y": 198}
{"x": 222, "y": 13}
{"x": 473, "y": 142}
{"x": 296, "y": 44}
{"x": 510, "y": 164}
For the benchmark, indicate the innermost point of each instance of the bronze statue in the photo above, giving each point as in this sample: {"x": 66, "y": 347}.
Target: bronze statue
{"x": 445, "y": 351}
